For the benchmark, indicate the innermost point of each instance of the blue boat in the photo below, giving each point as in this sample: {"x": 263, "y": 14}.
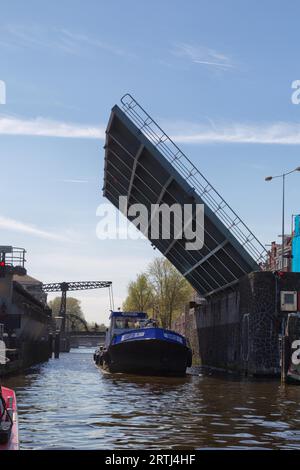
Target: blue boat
{"x": 136, "y": 345}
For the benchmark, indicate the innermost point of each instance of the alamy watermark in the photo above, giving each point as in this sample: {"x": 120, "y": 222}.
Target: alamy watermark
{"x": 296, "y": 353}
{"x": 2, "y": 92}
{"x": 295, "y": 97}
{"x": 157, "y": 222}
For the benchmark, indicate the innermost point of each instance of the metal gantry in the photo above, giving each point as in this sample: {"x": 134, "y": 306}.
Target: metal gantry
{"x": 65, "y": 287}
{"x": 73, "y": 286}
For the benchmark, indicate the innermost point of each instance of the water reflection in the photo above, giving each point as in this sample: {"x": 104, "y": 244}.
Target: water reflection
{"x": 69, "y": 403}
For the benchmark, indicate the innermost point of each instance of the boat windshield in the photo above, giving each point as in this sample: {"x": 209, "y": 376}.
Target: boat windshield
{"x": 127, "y": 323}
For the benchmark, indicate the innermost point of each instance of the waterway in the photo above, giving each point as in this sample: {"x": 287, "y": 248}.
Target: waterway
{"x": 69, "y": 404}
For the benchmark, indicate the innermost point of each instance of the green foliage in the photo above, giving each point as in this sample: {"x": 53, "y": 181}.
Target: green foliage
{"x": 172, "y": 291}
{"x": 161, "y": 291}
{"x": 73, "y": 308}
{"x": 140, "y": 295}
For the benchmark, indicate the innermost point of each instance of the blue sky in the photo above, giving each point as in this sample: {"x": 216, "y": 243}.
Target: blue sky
{"x": 217, "y": 75}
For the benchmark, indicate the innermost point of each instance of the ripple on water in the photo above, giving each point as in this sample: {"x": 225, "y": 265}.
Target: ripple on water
{"x": 69, "y": 404}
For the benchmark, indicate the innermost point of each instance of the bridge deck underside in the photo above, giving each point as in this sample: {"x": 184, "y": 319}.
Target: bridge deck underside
{"x": 135, "y": 168}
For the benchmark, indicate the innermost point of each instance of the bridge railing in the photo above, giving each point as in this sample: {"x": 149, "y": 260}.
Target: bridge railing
{"x": 12, "y": 256}
{"x": 195, "y": 178}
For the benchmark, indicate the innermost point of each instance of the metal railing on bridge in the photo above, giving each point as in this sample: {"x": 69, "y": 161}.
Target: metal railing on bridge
{"x": 144, "y": 164}
{"x": 149, "y": 127}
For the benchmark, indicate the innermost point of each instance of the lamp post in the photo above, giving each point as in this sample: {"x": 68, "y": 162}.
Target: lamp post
{"x": 283, "y": 176}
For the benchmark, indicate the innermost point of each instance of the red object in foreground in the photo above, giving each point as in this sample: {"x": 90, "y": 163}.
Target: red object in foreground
{"x": 11, "y": 408}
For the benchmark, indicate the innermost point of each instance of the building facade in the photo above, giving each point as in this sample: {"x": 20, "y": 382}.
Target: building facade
{"x": 291, "y": 260}
{"x": 296, "y": 246}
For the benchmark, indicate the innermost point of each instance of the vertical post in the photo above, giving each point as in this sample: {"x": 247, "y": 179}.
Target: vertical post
{"x": 111, "y": 297}
{"x": 57, "y": 345}
{"x": 50, "y": 343}
{"x": 283, "y": 358}
{"x": 63, "y": 308}
{"x": 283, "y": 220}
{"x": 285, "y": 351}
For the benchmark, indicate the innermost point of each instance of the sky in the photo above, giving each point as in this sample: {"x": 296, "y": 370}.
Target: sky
{"x": 216, "y": 75}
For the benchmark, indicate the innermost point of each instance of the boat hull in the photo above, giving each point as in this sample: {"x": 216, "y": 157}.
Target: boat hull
{"x": 11, "y": 403}
{"x": 148, "y": 357}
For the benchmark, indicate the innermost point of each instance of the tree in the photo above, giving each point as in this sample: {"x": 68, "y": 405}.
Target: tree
{"x": 161, "y": 291}
{"x": 172, "y": 291}
{"x": 73, "y": 308}
{"x": 140, "y": 295}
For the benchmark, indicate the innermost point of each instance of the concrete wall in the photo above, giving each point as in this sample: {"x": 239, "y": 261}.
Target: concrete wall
{"x": 239, "y": 329}
{"x": 6, "y": 290}
{"x": 186, "y": 325}
{"x": 218, "y": 328}
{"x": 26, "y": 324}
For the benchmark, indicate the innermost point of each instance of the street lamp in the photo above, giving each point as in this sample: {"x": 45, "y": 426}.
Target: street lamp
{"x": 270, "y": 178}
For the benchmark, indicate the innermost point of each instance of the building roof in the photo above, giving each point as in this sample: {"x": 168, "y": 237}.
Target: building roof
{"x": 27, "y": 280}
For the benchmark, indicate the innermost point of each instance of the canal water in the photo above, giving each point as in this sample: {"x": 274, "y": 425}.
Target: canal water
{"x": 69, "y": 404}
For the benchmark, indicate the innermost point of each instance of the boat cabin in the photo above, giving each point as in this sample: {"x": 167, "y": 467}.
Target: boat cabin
{"x": 124, "y": 321}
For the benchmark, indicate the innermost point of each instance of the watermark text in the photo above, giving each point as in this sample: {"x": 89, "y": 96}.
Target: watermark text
{"x": 296, "y": 94}
{"x": 155, "y": 221}
{"x": 2, "y": 92}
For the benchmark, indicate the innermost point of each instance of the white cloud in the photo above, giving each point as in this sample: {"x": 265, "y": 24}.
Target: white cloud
{"x": 55, "y": 39}
{"x": 76, "y": 41}
{"x": 39, "y": 126}
{"x": 202, "y": 56}
{"x": 277, "y": 133}
{"x": 280, "y": 133}
{"x": 17, "y": 226}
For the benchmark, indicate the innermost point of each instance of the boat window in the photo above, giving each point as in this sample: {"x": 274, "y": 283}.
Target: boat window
{"x": 126, "y": 323}
{"x": 119, "y": 323}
